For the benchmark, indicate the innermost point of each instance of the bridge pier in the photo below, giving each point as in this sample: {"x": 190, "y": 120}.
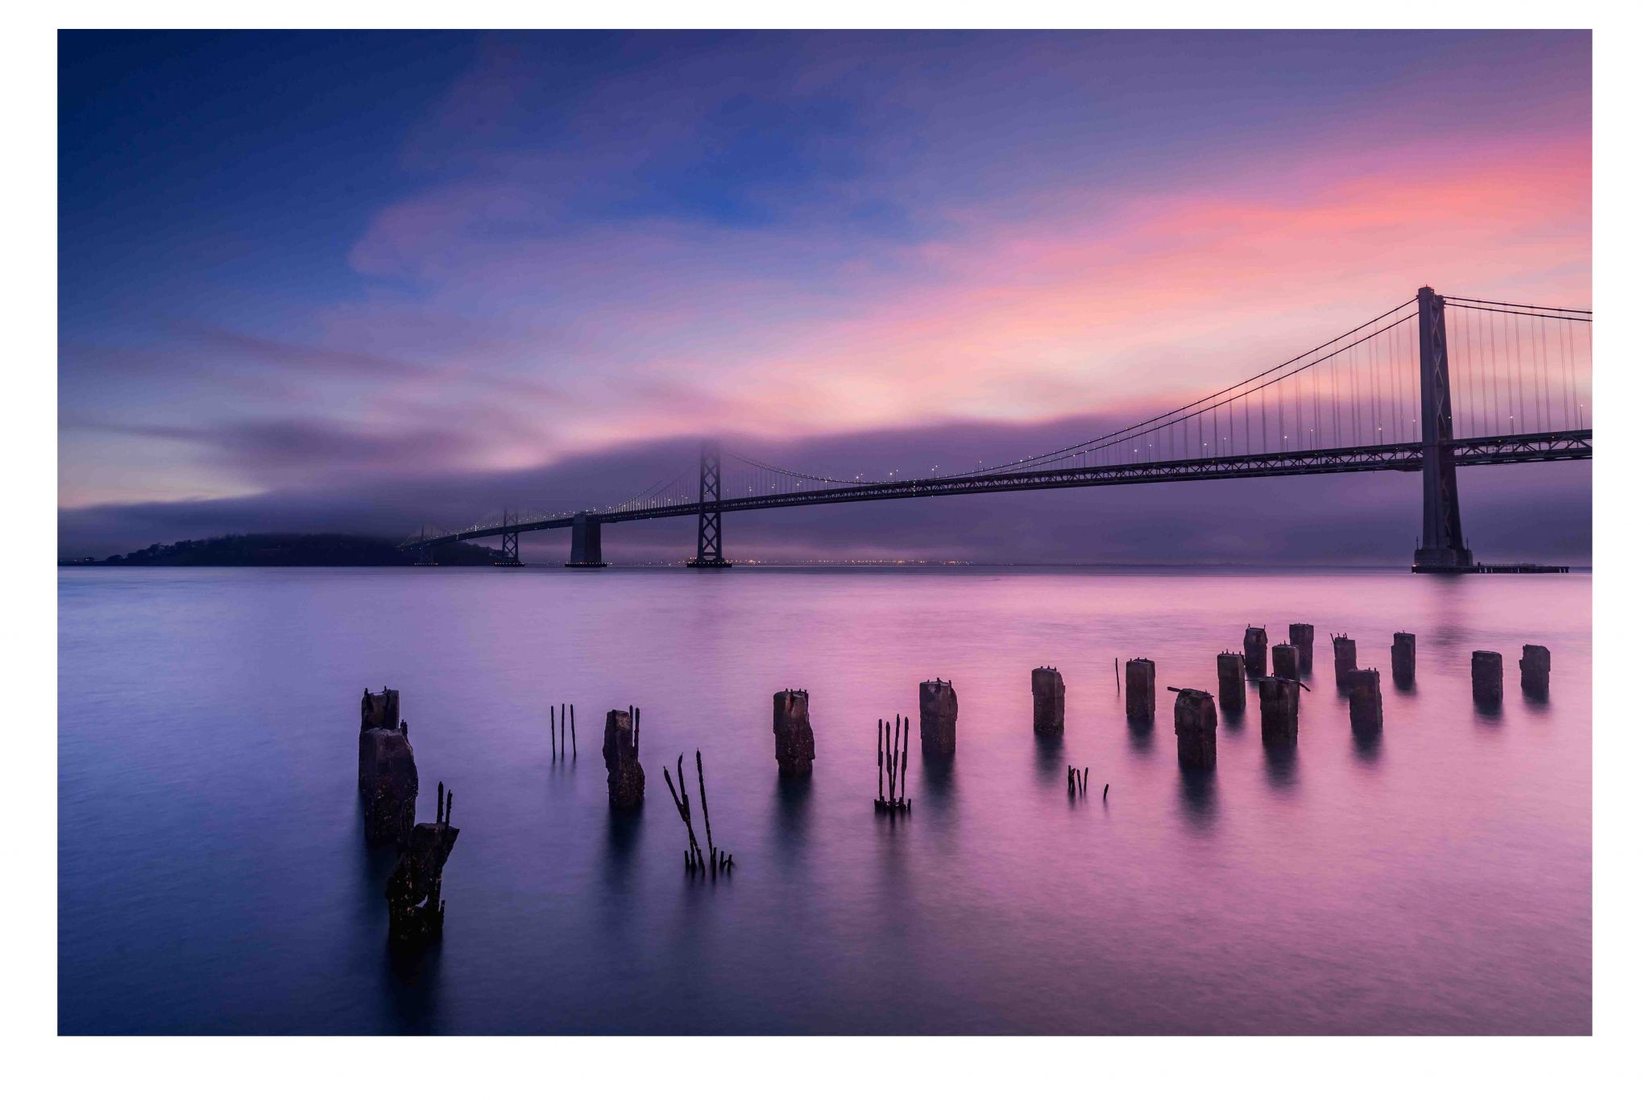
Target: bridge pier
{"x": 587, "y": 543}
{"x": 1443, "y": 547}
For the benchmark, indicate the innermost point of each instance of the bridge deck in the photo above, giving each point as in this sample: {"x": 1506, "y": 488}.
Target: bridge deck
{"x": 1482, "y": 451}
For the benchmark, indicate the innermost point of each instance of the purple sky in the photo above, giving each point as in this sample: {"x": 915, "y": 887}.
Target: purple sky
{"x": 364, "y": 282}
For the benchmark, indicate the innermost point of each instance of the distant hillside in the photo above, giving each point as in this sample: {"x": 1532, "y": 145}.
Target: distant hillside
{"x": 291, "y": 550}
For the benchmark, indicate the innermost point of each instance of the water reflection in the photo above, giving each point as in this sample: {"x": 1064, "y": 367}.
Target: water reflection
{"x": 1366, "y": 747}
{"x": 792, "y": 796}
{"x": 1197, "y": 798}
{"x": 1140, "y": 736}
{"x": 938, "y": 776}
{"x": 1050, "y": 759}
{"x": 410, "y": 982}
{"x": 1281, "y": 762}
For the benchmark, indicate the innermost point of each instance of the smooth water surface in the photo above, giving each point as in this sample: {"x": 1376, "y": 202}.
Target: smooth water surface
{"x": 213, "y": 877}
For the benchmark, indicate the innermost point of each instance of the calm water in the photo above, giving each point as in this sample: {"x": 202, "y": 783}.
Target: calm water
{"x": 213, "y": 878}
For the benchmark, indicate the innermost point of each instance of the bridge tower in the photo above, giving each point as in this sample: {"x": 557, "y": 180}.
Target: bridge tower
{"x": 1443, "y": 548}
{"x": 710, "y": 508}
{"x": 510, "y": 543}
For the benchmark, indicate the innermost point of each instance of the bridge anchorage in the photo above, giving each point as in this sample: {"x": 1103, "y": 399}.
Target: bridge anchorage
{"x": 1507, "y": 383}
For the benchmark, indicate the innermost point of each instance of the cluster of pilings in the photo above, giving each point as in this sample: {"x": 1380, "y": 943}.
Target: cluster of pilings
{"x": 559, "y": 732}
{"x": 1077, "y": 781}
{"x": 387, "y": 778}
{"x": 694, "y": 860}
{"x": 893, "y": 758}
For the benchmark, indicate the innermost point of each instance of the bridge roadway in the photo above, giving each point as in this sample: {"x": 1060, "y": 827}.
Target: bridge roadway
{"x": 1481, "y": 451}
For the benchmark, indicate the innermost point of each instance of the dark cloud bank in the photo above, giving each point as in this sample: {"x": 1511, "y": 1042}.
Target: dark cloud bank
{"x": 1536, "y": 513}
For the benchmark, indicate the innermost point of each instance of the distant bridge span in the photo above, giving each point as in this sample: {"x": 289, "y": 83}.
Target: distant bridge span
{"x": 1348, "y": 392}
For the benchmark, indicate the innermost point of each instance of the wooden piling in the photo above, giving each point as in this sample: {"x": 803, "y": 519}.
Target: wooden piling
{"x": 1286, "y": 661}
{"x": 1048, "y": 702}
{"x": 793, "y": 735}
{"x": 1279, "y": 710}
{"x": 1254, "y": 652}
{"x": 1403, "y": 659}
{"x": 1300, "y": 636}
{"x": 1486, "y": 677}
{"x": 1229, "y": 673}
{"x": 937, "y": 715}
{"x": 1346, "y": 658}
{"x": 1364, "y": 696}
{"x": 1140, "y": 689}
{"x": 1534, "y": 668}
{"x": 1194, "y": 727}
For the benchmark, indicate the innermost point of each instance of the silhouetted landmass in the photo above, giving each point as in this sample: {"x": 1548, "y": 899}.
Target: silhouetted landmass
{"x": 291, "y": 550}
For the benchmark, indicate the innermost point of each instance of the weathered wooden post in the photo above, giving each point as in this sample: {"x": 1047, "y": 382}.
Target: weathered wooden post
{"x": 793, "y": 736}
{"x": 417, "y": 912}
{"x": 385, "y": 772}
{"x": 1254, "y": 652}
{"x": 1533, "y": 669}
{"x": 1280, "y": 700}
{"x": 1140, "y": 689}
{"x": 1346, "y": 658}
{"x": 1048, "y": 702}
{"x": 1286, "y": 661}
{"x": 622, "y": 752}
{"x": 1403, "y": 659}
{"x": 1364, "y": 690}
{"x": 1229, "y": 672}
{"x": 1486, "y": 677}
{"x": 1300, "y": 636}
{"x": 937, "y": 711}
{"x": 1194, "y": 727}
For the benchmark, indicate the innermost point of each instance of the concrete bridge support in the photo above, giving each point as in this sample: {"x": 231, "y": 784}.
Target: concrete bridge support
{"x": 793, "y": 734}
{"x": 1286, "y": 662}
{"x": 1364, "y": 691}
{"x": 1533, "y": 669}
{"x": 1486, "y": 678}
{"x": 1346, "y": 659}
{"x": 1280, "y": 701}
{"x": 587, "y": 543}
{"x": 1403, "y": 659}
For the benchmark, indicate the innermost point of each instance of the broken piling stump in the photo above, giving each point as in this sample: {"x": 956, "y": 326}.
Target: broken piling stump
{"x": 1254, "y": 652}
{"x": 1300, "y": 636}
{"x": 1346, "y": 658}
{"x": 1364, "y": 692}
{"x": 1280, "y": 701}
{"x": 1140, "y": 689}
{"x": 1286, "y": 661}
{"x": 1229, "y": 672}
{"x": 937, "y": 711}
{"x": 622, "y": 753}
{"x": 386, "y": 773}
{"x": 1486, "y": 677}
{"x": 793, "y": 736}
{"x": 417, "y": 912}
{"x": 1048, "y": 702}
{"x": 1533, "y": 670}
{"x": 1403, "y": 659}
{"x": 1194, "y": 727}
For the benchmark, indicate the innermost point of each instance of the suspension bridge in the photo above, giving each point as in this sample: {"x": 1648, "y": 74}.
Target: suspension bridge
{"x": 1433, "y": 384}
